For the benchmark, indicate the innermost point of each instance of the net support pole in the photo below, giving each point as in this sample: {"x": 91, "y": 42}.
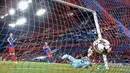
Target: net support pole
{"x": 105, "y": 61}
{"x": 95, "y": 20}
{"x": 100, "y": 36}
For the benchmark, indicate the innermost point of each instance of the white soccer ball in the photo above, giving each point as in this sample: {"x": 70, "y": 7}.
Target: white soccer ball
{"x": 102, "y": 46}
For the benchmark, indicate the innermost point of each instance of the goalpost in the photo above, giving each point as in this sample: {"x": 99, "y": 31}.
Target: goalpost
{"x": 95, "y": 21}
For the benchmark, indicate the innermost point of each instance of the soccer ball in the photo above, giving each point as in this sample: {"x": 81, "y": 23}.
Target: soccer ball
{"x": 102, "y": 46}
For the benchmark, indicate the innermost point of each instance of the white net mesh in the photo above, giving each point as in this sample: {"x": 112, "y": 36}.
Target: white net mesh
{"x": 68, "y": 29}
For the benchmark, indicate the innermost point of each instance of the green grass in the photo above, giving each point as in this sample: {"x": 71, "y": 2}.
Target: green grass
{"x": 40, "y": 67}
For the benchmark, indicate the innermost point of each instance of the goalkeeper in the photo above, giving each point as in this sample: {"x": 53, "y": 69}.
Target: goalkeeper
{"x": 77, "y": 63}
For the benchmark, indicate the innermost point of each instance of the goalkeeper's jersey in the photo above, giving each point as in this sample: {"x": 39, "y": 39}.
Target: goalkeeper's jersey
{"x": 76, "y": 63}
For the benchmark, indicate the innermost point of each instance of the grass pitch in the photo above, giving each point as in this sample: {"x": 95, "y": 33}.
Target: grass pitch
{"x": 41, "y": 67}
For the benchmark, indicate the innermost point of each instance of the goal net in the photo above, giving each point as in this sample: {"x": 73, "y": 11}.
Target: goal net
{"x": 70, "y": 27}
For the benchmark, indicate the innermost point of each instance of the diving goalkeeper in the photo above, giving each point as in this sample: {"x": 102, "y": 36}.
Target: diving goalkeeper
{"x": 77, "y": 63}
